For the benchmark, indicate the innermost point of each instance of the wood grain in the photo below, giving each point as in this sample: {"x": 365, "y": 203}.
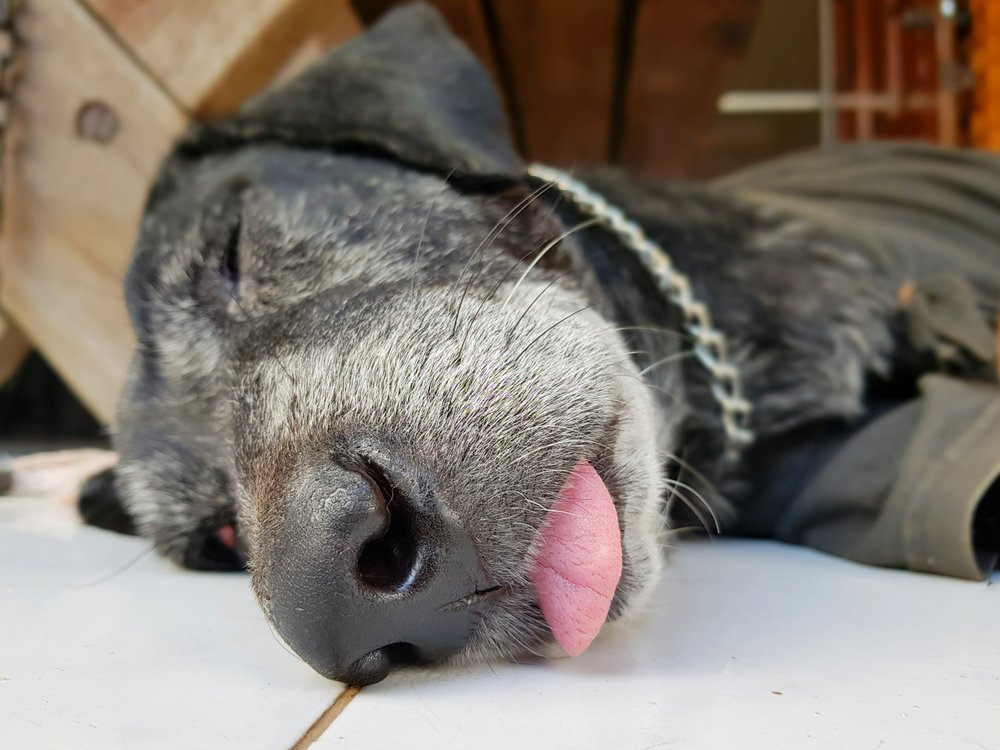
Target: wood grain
{"x": 72, "y": 205}
{"x": 212, "y": 54}
{"x": 560, "y": 56}
{"x": 679, "y": 53}
{"x": 14, "y": 348}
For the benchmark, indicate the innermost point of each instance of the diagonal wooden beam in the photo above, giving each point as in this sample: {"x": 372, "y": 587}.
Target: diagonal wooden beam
{"x": 88, "y": 131}
{"x": 212, "y": 54}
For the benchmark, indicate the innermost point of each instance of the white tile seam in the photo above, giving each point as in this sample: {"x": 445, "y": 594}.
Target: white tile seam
{"x": 326, "y": 719}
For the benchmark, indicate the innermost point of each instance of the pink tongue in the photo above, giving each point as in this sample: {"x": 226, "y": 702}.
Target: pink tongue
{"x": 580, "y": 561}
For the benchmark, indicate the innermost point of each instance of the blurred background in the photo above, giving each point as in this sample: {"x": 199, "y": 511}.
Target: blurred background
{"x": 695, "y": 89}
{"x": 667, "y": 88}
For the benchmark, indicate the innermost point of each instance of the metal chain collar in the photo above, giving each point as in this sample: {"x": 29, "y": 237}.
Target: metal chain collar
{"x": 709, "y": 343}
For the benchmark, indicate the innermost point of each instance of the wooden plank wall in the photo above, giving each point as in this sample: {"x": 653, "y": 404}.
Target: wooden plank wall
{"x": 560, "y": 62}
{"x": 678, "y": 56}
{"x": 586, "y": 82}
{"x": 212, "y": 54}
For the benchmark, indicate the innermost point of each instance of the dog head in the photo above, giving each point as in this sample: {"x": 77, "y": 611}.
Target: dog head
{"x": 364, "y": 324}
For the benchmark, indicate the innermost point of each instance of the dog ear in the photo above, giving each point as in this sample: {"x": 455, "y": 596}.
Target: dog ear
{"x": 408, "y": 89}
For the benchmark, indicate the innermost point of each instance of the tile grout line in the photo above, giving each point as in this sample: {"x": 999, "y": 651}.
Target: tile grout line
{"x": 326, "y": 718}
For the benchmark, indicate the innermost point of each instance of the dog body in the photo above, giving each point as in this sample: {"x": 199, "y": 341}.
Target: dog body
{"x": 334, "y": 306}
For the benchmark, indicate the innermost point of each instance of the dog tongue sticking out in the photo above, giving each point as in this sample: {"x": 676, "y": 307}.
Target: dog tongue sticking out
{"x": 580, "y": 561}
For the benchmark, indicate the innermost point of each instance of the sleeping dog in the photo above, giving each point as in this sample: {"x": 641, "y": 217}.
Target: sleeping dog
{"x": 433, "y": 404}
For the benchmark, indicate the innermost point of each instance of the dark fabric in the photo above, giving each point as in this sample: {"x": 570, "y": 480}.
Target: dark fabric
{"x": 914, "y": 484}
{"x": 904, "y": 491}
{"x": 942, "y": 319}
{"x": 922, "y": 210}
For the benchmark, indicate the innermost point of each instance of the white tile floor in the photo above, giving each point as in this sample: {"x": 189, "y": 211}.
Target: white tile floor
{"x": 748, "y": 644}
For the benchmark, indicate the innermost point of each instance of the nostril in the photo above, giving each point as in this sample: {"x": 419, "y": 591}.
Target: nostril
{"x": 390, "y": 561}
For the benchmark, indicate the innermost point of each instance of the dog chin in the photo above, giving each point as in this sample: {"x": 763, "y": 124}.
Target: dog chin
{"x": 638, "y": 480}
{"x": 515, "y": 630}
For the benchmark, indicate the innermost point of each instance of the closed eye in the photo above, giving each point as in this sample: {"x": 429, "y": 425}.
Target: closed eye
{"x": 229, "y": 265}
{"x": 222, "y": 230}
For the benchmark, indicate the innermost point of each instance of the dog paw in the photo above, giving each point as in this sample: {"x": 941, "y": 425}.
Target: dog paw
{"x": 214, "y": 548}
{"x": 100, "y": 504}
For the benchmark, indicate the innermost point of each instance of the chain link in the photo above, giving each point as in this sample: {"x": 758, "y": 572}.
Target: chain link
{"x": 709, "y": 343}
{"x": 8, "y": 49}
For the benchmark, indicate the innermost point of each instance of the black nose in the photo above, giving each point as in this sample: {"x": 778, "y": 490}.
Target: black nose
{"x": 369, "y": 573}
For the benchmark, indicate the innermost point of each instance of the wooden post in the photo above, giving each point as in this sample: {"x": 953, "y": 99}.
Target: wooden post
{"x": 88, "y": 130}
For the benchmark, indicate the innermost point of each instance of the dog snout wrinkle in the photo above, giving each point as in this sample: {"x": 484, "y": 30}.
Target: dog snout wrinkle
{"x": 368, "y": 586}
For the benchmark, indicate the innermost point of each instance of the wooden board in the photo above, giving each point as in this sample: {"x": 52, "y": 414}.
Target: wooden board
{"x": 679, "y": 50}
{"x": 73, "y": 200}
{"x": 212, "y": 54}
{"x": 560, "y": 58}
{"x": 14, "y": 348}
